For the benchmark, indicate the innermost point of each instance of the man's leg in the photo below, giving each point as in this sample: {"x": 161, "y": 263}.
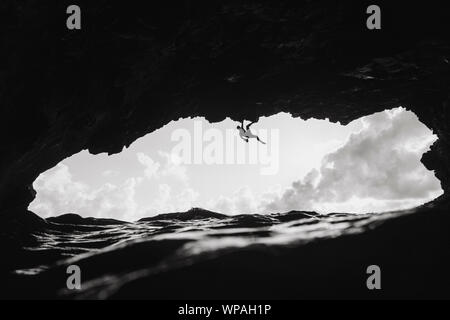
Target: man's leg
{"x": 257, "y": 138}
{"x": 248, "y": 126}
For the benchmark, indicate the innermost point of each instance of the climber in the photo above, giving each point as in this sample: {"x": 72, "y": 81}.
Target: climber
{"x": 246, "y": 133}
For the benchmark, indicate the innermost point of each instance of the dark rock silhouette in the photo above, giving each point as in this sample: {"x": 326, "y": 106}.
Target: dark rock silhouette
{"x": 133, "y": 68}
{"x": 192, "y": 214}
{"x": 72, "y": 218}
{"x": 296, "y": 215}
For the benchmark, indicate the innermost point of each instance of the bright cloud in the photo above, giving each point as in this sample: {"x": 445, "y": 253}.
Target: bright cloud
{"x": 58, "y": 192}
{"x": 151, "y": 167}
{"x": 172, "y": 167}
{"x": 377, "y": 169}
{"x": 242, "y": 201}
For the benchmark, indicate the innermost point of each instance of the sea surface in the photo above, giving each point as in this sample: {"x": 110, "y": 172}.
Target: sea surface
{"x": 178, "y": 254}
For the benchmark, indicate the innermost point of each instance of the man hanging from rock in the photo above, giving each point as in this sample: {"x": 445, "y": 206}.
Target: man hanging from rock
{"x": 246, "y": 134}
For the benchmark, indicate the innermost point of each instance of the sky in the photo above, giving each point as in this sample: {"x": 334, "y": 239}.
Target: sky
{"x": 369, "y": 165}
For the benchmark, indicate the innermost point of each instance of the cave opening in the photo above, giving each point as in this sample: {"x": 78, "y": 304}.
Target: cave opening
{"x": 370, "y": 165}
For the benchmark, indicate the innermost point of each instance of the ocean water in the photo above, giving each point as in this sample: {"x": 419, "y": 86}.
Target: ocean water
{"x": 157, "y": 257}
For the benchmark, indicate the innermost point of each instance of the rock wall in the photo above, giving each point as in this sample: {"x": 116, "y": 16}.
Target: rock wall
{"x": 133, "y": 68}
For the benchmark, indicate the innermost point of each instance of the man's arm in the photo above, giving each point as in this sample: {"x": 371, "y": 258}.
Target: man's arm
{"x": 248, "y": 126}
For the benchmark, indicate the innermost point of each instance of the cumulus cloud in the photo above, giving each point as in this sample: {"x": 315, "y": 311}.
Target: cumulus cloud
{"x": 151, "y": 167}
{"x": 58, "y": 191}
{"x": 166, "y": 201}
{"x": 171, "y": 167}
{"x": 377, "y": 169}
{"x": 110, "y": 173}
{"x": 245, "y": 201}
{"x": 242, "y": 201}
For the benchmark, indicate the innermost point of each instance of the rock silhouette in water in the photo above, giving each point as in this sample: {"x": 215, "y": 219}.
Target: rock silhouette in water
{"x": 134, "y": 68}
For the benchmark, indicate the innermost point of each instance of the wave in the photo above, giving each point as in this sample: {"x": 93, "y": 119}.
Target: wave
{"x": 116, "y": 256}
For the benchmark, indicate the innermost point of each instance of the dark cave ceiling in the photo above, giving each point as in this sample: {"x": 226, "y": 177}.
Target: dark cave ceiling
{"x": 131, "y": 69}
